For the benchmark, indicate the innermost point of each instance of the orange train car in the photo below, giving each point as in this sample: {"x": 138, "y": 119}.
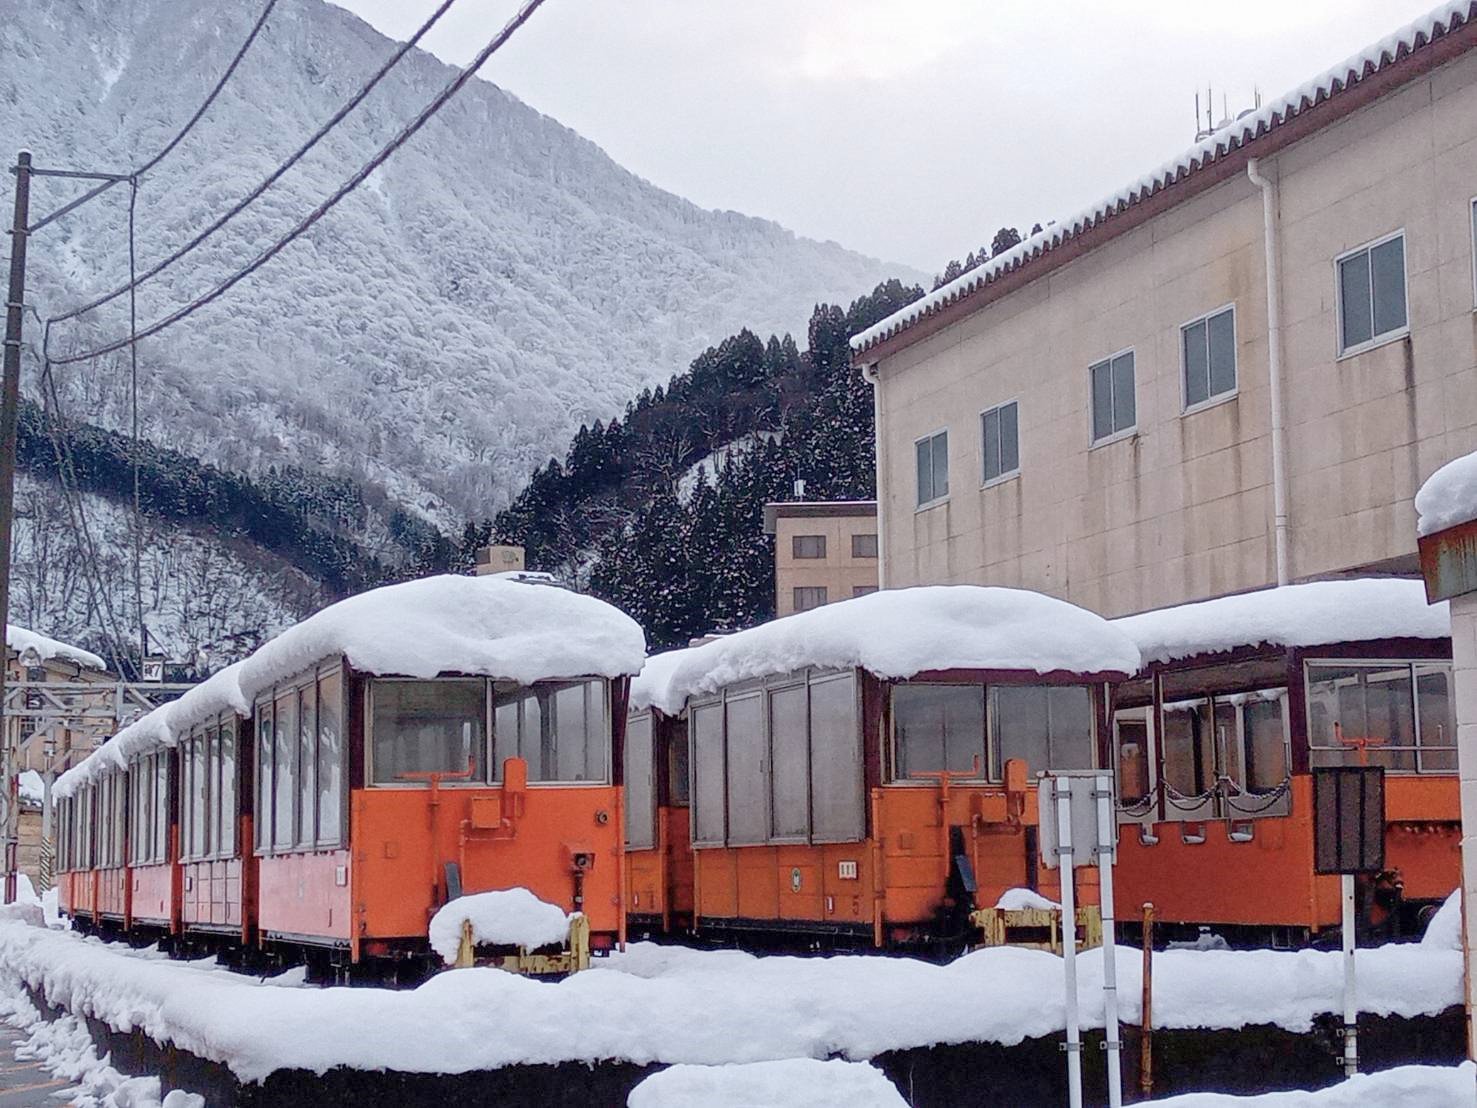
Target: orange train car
{"x": 658, "y": 829}
{"x": 361, "y": 794}
{"x": 1214, "y": 744}
{"x": 862, "y": 774}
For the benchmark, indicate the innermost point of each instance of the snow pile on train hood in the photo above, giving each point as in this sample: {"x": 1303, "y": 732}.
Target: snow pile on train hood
{"x": 446, "y": 624}
{"x": 1311, "y": 614}
{"x": 786, "y": 1083}
{"x": 897, "y": 633}
{"x": 1448, "y": 497}
{"x": 659, "y": 1004}
{"x": 20, "y": 640}
{"x": 503, "y": 917}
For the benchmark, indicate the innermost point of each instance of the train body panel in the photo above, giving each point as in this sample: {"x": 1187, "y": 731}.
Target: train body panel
{"x": 214, "y": 895}
{"x": 155, "y": 895}
{"x": 305, "y": 897}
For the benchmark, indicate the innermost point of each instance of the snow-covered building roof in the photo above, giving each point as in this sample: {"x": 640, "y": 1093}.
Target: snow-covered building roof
{"x": 1448, "y": 497}
{"x": 899, "y": 633}
{"x": 1315, "y": 103}
{"x": 20, "y": 640}
{"x": 447, "y": 624}
{"x": 1317, "y": 613}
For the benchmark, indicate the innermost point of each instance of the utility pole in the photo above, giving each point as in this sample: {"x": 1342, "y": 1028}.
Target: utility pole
{"x": 10, "y": 392}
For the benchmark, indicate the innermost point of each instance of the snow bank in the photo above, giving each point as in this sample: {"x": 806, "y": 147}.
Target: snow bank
{"x": 1444, "y": 932}
{"x": 1414, "y": 1086}
{"x": 503, "y": 917}
{"x": 445, "y": 624}
{"x": 1448, "y": 497}
{"x": 1016, "y": 900}
{"x": 788, "y": 1083}
{"x": 903, "y": 632}
{"x": 656, "y": 1004}
{"x": 1312, "y": 614}
{"x": 1245, "y": 130}
{"x": 19, "y": 639}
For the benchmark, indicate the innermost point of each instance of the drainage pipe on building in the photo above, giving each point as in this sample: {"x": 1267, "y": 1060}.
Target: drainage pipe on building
{"x": 1274, "y": 363}
{"x": 870, "y": 375}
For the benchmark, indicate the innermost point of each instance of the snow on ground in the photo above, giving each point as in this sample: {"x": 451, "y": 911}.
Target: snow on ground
{"x": 902, "y": 632}
{"x": 65, "y": 1049}
{"x": 1448, "y": 497}
{"x": 443, "y": 624}
{"x": 1410, "y": 1086}
{"x": 1311, "y": 614}
{"x": 20, "y": 640}
{"x": 503, "y": 917}
{"x": 655, "y": 1004}
{"x": 788, "y": 1083}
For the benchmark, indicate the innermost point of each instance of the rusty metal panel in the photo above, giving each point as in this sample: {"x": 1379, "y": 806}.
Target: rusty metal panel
{"x": 1449, "y": 561}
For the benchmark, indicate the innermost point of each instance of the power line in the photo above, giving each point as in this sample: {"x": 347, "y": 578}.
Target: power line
{"x": 179, "y": 137}
{"x": 406, "y": 133}
{"x": 276, "y": 175}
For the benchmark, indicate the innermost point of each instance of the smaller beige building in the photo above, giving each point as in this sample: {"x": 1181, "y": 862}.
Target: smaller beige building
{"x": 824, "y": 551}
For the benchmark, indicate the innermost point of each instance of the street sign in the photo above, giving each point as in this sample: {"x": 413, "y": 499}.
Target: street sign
{"x": 153, "y": 669}
{"x": 1083, "y": 786}
{"x": 1348, "y": 819}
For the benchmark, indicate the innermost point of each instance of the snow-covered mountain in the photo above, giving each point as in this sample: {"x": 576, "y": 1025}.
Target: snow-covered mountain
{"x": 498, "y": 282}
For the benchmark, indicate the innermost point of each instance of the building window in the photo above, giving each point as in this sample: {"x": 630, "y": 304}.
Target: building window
{"x": 808, "y": 546}
{"x": 1208, "y": 357}
{"x": 809, "y": 596}
{"x": 933, "y": 468}
{"x": 999, "y": 436}
{"x": 1113, "y": 409}
{"x": 1372, "y": 293}
{"x": 864, "y": 546}
{"x": 863, "y": 590}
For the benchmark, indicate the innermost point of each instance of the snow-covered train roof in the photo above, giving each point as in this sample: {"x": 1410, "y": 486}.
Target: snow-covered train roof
{"x": 1317, "y": 613}
{"x": 649, "y": 687}
{"x": 1448, "y": 497}
{"x": 1245, "y": 132}
{"x": 899, "y": 633}
{"x": 447, "y": 624}
{"x": 20, "y": 640}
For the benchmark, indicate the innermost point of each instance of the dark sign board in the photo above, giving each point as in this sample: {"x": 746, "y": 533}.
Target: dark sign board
{"x": 1349, "y": 819}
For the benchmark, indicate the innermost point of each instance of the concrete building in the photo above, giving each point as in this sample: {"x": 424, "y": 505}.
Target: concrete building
{"x": 1233, "y": 373}
{"x": 824, "y": 551}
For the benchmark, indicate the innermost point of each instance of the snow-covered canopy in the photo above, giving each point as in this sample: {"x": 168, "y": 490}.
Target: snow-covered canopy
{"x": 447, "y": 624}
{"x": 899, "y": 633}
{"x": 502, "y": 917}
{"x": 1391, "y": 50}
{"x": 1448, "y": 497}
{"x": 1313, "y": 614}
{"x": 20, "y": 640}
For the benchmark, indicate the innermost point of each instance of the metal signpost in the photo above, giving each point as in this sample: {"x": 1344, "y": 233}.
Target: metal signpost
{"x": 1076, "y": 816}
{"x": 1348, "y": 839}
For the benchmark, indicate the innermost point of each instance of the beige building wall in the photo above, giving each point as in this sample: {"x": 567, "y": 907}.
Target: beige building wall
{"x": 1181, "y": 509}
{"x": 840, "y": 573}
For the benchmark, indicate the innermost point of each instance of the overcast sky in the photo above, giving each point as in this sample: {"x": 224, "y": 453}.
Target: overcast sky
{"x": 906, "y": 129}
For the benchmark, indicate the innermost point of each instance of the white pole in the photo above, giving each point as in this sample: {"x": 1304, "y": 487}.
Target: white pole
{"x": 1351, "y": 1006}
{"x": 1102, "y": 789}
{"x": 1063, "y": 794}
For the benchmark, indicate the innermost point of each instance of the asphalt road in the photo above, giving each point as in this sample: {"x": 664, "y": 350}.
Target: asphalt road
{"x": 25, "y": 1084}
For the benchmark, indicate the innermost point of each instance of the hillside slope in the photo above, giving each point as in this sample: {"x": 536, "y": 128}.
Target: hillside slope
{"x": 499, "y": 282}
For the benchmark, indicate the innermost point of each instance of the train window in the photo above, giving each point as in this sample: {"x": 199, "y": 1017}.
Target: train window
{"x": 837, "y": 797}
{"x": 226, "y": 808}
{"x": 1436, "y": 733}
{"x": 161, "y": 806}
{"x": 1266, "y": 742}
{"x": 1132, "y": 728}
{"x": 1045, "y": 726}
{"x": 1189, "y": 753}
{"x": 284, "y": 778}
{"x": 330, "y": 759}
{"x": 709, "y": 821}
{"x": 938, "y": 727}
{"x": 677, "y": 773}
{"x": 307, "y": 766}
{"x": 640, "y": 783}
{"x": 577, "y": 720}
{"x": 789, "y": 758}
{"x": 423, "y": 727}
{"x": 264, "y": 774}
{"x": 747, "y": 770}
{"x": 1362, "y": 714}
